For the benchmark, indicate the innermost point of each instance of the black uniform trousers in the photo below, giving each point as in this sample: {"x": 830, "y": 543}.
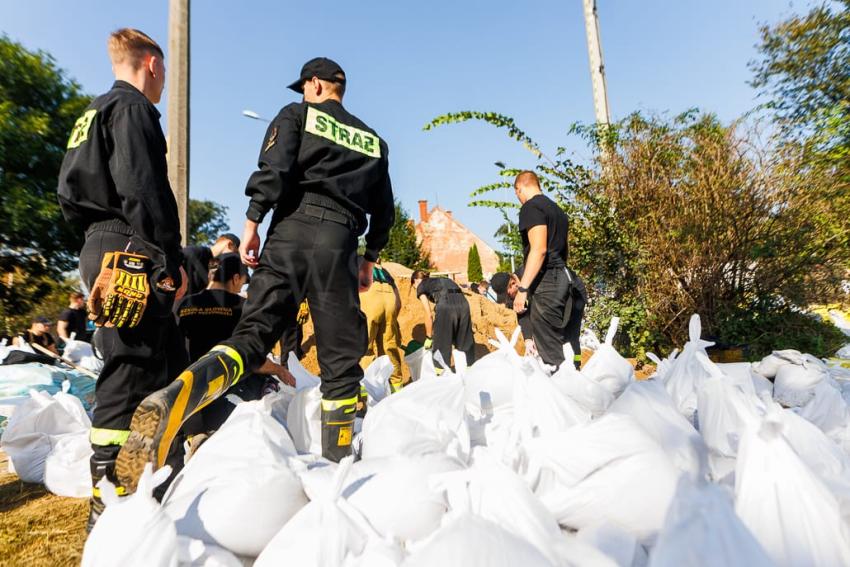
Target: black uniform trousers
{"x": 453, "y": 326}
{"x": 137, "y": 361}
{"x": 306, "y": 257}
{"x": 550, "y": 306}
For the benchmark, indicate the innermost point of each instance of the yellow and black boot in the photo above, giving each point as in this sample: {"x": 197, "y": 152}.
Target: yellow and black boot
{"x": 160, "y": 415}
{"x": 338, "y": 427}
{"x": 99, "y": 469}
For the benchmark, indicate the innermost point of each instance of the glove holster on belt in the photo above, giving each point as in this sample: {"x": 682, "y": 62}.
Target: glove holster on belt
{"x": 120, "y": 293}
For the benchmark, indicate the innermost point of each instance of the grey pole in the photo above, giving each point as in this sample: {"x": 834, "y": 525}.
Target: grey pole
{"x": 178, "y": 108}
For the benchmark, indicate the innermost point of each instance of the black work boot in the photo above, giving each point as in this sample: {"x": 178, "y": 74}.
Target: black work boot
{"x": 99, "y": 469}
{"x": 337, "y": 427}
{"x": 160, "y": 415}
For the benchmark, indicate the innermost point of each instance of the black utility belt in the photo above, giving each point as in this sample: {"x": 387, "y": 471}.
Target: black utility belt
{"x": 325, "y": 208}
{"x": 111, "y": 225}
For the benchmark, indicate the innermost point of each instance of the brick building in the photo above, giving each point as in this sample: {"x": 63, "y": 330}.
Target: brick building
{"x": 448, "y": 242}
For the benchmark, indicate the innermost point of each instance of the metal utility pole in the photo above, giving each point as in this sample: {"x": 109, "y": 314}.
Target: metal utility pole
{"x": 178, "y": 108}
{"x": 597, "y": 67}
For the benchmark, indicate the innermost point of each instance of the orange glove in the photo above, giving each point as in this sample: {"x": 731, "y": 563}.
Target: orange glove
{"x": 120, "y": 293}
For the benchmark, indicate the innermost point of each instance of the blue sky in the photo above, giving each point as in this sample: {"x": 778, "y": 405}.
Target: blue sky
{"x": 408, "y": 62}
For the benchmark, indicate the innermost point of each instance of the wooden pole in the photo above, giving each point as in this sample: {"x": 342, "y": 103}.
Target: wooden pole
{"x": 178, "y": 108}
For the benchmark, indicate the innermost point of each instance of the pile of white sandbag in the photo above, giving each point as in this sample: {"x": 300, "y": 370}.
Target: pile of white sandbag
{"x": 503, "y": 464}
{"x": 47, "y": 441}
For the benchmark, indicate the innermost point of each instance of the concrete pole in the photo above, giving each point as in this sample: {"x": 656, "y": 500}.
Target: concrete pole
{"x": 597, "y": 67}
{"x": 178, "y": 108}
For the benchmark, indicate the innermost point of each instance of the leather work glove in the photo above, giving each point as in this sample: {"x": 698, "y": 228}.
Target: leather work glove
{"x": 428, "y": 343}
{"x": 120, "y": 293}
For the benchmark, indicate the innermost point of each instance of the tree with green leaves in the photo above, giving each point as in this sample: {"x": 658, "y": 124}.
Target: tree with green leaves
{"x": 402, "y": 247}
{"x": 39, "y": 104}
{"x": 805, "y": 73}
{"x": 207, "y": 221}
{"x": 473, "y": 265}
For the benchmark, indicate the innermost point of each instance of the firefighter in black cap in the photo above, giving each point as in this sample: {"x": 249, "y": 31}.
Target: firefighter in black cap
{"x": 323, "y": 171}
{"x": 113, "y": 185}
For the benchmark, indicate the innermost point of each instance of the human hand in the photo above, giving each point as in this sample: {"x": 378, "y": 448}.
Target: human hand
{"x": 184, "y": 285}
{"x": 365, "y": 275}
{"x": 249, "y": 249}
{"x": 520, "y": 302}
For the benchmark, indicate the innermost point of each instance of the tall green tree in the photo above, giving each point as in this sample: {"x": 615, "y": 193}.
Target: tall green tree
{"x": 402, "y": 247}
{"x": 39, "y": 104}
{"x": 207, "y": 221}
{"x": 473, "y": 265}
{"x": 804, "y": 71}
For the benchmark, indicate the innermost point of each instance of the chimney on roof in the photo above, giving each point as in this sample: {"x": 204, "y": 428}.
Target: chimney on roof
{"x": 423, "y": 211}
{"x": 449, "y": 214}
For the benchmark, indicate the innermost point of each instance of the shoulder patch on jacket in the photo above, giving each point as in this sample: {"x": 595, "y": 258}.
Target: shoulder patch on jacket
{"x": 80, "y": 133}
{"x": 272, "y": 140}
{"x": 326, "y": 126}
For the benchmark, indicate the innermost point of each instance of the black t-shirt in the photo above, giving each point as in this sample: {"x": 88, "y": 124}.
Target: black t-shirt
{"x": 541, "y": 210}
{"x": 437, "y": 289}
{"x": 76, "y": 319}
{"x": 207, "y": 318}
{"x": 45, "y": 339}
{"x": 196, "y": 261}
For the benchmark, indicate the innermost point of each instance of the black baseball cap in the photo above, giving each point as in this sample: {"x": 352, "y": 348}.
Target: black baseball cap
{"x": 42, "y": 319}
{"x": 321, "y": 67}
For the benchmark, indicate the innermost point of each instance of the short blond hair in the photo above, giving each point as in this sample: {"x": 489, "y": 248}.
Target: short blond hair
{"x": 527, "y": 178}
{"x": 129, "y": 45}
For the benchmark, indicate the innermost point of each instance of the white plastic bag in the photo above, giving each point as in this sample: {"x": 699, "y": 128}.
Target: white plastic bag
{"x": 578, "y": 386}
{"x": 322, "y": 534}
{"x": 702, "y": 530}
{"x": 414, "y": 362}
{"x": 472, "y": 541}
{"x": 606, "y": 367}
{"x": 652, "y": 408}
{"x": 785, "y": 505}
{"x": 76, "y": 350}
{"x": 687, "y": 373}
{"x": 376, "y": 379}
{"x": 609, "y": 468}
{"x": 425, "y": 417}
{"x": 36, "y": 426}
{"x": 770, "y": 365}
{"x": 304, "y": 420}
{"x": 132, "y": 531}
{"x": 67, "y": 471}
{"x": 237, "y": 491}
{"x": 197, "y": 553}
{"x": 795, "y": 384}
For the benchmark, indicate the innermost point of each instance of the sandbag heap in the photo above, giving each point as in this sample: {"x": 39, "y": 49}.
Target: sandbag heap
{"x": 505, "y": 464}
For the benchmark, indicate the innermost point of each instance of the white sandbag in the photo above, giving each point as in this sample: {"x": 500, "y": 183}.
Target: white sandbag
{"x": 425, "y": 417}
{"x": 303, "y": 378}
{"x": 19, "y": 379}
{"x": 91, "y": 363}
{"x": 414, "y": 362}
{"x": 394, "y": 493}
{"x": 663, "y": 367}
{"x": 237, "y": 490}
{"x": 770, "y": 365}
{"x": 826, "y": 408}
{"x": 606, "y": 367}
{"x": 702, "y": 530}
{"x": 472, "y": 541}
{"x": 376, "y": 379}
{"x": 588, "y": 340}
{"x": 785, "y": 505}
{"x": 67, "y": 470}
{"x": 76, "y": 350}
{"x": 652, "y": 408}
{"x": 494, "y": 492}
{"x": 724, "y": 412}
{"x": 489, "y": 383}
{"x": 322, "y": 534}
{"x": 35, "y": 427}
{"x": 582, "y": 389}
{"x": 843, "y": 352}
{"x": 795, "y": 384}
{"x": 687, "y": 374}
{"x": 304, "y": 420}
{"x": 197, "y": 553}
{"x": 540, "y": 407}
{"x": 133, "y": 531}
{"x": 610, "y": 468}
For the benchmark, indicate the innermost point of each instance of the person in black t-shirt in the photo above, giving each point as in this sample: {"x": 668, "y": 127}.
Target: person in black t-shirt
{"x": 545, "y": 287}
{"x": 207, "y": 317}
{"x": 451, "y": 324}
{"x": 39, "y": 334}
{"x": 73, "y": 319}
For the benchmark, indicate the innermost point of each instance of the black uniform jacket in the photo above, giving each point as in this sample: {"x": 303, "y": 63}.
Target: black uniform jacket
{"x": 115, "y": 168}
{"x": 322, "y": 148}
